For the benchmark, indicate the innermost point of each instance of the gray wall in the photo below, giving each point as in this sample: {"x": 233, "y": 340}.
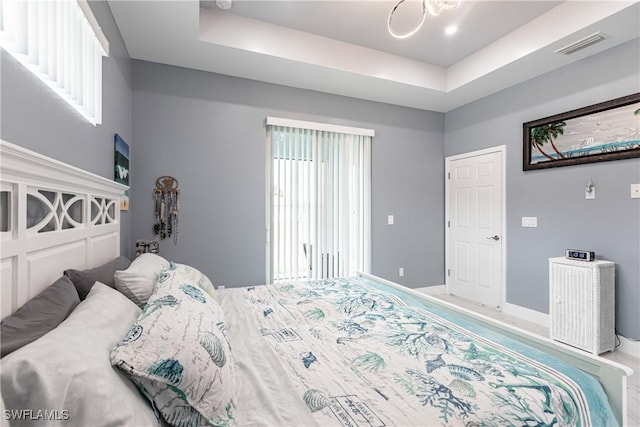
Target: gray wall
{"x": 609, "y": 225}
{"x": 33, "y": 116}
{"x": 208, "y": 131}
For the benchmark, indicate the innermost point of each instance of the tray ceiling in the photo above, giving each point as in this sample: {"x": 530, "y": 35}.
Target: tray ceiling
{"x": 343, "y": 47}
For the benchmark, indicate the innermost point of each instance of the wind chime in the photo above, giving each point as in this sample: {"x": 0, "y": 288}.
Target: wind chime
{"x": 166, "y": 208}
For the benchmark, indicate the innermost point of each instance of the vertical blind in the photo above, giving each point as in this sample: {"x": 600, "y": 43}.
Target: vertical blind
{"x": 319, "y": 211}
{"x": 61, "y": 42}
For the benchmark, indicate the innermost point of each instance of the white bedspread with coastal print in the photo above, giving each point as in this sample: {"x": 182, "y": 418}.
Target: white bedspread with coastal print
{"x": 358, "y": 355}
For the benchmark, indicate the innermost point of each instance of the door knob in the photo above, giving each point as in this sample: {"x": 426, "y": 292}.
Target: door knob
{"x": 496, "y": 237}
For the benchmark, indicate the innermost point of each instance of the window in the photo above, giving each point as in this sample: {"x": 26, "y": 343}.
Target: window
{"x": 319, "y": 200}
{"x": 62, "y": 44}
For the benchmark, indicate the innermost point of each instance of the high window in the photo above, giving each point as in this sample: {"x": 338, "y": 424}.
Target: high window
{"x": 60, "y": 42}
{"x": 319, "y": 200}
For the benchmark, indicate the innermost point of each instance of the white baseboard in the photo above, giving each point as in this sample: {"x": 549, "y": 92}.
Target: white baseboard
{"x": 524, "y": 313}
{"x": 629, "y": 347}
{"x": 432, "y": 290}
{"x": 520, "y": 312}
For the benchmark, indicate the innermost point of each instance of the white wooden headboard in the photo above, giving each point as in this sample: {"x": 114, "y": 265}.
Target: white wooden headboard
{"x": 53, "y": 216}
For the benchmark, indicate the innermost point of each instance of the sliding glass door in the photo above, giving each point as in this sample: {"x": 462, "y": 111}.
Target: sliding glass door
{"x": 319, "y": 192}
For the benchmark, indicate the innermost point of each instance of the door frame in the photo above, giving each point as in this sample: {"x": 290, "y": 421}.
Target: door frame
{"x": 447, "y": 214}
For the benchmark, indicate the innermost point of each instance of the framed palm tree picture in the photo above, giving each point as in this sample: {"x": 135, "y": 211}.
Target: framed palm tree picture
{"x": 606, "y": 131}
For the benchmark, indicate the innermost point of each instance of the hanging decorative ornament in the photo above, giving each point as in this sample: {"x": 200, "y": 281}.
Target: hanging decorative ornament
{"x": 166, "y": 208}
{"x": 176, "y": 209}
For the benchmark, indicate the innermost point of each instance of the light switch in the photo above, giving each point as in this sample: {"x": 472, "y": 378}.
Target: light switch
{"x": 390, "y": 219}
{"x": 635, "y": 191}
{"x": 401, "y": 272}
{"x": 529, "y": 221}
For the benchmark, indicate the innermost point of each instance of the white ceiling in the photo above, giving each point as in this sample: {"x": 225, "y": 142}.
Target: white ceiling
{"x": 364, "y": 24}
{"x": 343, "y": 47}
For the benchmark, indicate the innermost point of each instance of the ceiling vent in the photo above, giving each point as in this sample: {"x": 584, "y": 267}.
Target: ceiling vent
{"x": 581, "y": 44}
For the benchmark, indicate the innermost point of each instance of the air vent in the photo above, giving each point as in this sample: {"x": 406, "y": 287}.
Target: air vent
{"x": 581, "y": 44}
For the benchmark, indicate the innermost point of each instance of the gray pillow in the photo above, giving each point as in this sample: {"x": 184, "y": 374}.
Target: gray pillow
{"x": 38, "y": 316}
{"x": 84, "y": 279}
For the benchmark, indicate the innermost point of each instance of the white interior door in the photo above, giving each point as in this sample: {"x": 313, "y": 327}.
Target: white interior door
{"x": 475, "y": 229}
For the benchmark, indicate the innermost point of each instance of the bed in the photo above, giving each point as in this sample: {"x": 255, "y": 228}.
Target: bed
{"x": 151, "y": 342}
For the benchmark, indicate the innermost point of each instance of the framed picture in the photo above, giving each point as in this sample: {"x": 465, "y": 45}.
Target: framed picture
{"x": 121, "y": 168}
{"x": 606, "y": 131}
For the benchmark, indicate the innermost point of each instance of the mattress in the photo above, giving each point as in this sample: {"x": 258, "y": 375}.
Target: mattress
{"x": 354, "y": 352}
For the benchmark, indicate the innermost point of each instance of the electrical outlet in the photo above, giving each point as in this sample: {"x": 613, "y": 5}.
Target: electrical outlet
{"x": 390, "y": 219}
{"x": 590, "y": 195}
{"x": 401, "y": 272}
{"x": 635, "y": 191}
{"x": 220, "y": 286}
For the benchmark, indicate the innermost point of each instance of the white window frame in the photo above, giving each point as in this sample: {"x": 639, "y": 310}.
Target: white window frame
{"x": 60, "y": 42}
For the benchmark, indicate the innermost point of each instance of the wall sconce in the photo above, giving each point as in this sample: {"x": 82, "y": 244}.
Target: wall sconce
{"x": 590, "y": 189}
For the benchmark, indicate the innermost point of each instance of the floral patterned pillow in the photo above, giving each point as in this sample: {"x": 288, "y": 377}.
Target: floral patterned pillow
{"x": 196, "y": 277}
{"x": 178, "y": 353}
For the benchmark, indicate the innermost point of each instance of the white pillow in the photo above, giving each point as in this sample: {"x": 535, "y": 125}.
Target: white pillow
{"x": 67, "y": 371}
{"x": 178, "y": 353}
{"x": 137, "y": 281}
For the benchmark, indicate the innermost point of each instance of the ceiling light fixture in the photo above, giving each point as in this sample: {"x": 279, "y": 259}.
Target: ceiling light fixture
{"x": 435, "y": 8}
